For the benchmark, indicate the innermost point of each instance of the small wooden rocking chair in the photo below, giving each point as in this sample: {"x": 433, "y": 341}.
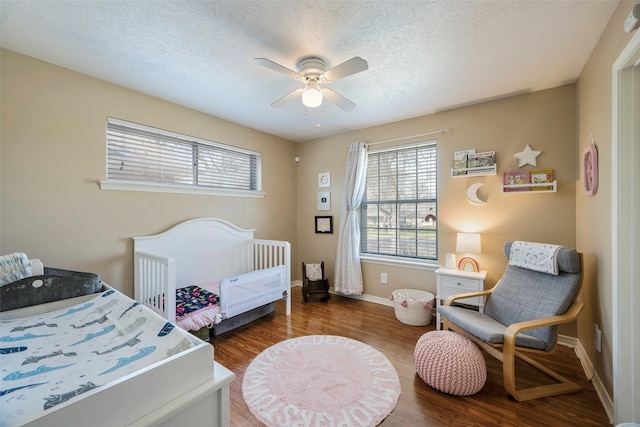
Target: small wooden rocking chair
{"x": 314, "y": 282}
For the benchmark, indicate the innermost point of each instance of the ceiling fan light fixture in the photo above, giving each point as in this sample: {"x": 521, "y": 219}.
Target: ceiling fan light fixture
{"x": 312, "y": 71}
{"x": 312, "y": 95}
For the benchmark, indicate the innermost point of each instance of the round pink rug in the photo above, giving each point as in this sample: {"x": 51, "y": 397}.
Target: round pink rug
{"x": 321, "y": 380}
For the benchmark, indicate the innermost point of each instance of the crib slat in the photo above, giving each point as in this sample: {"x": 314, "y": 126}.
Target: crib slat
{"x": 271, "y": 253}
{"x": 152, "y": 285}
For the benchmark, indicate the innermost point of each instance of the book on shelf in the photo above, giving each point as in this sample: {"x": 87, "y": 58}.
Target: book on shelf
{"x": 481, "y": 163}
{"x": 460, "y": 162}
{"x": 516, "y": 178}
{"x": 541, "y": 176}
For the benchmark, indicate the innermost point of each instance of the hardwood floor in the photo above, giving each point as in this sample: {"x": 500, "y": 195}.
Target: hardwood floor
{"x": 419, "y": 404}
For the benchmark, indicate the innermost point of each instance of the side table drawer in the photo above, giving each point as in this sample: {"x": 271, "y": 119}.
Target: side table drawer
{"x": 460, "y": 283}
{"x": 447, "y": 291}
{"x": 453, "y": 282}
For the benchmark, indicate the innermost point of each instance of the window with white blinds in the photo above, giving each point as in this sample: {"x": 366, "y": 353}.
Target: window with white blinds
{"x": 139, "y": 153}
{"x": 399, "y": 207}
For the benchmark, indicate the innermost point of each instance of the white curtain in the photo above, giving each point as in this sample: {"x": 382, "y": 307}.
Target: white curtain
{"x": 348, "y": 273}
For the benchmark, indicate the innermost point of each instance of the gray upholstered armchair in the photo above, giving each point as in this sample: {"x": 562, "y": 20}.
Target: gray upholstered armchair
{"x": 523, "y": 311}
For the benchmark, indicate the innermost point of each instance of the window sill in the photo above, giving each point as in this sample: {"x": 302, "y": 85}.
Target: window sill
{"x": 179, "y": 189}
{"x": 400, "y": 262}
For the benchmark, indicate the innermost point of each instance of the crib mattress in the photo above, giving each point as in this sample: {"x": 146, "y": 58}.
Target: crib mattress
{"x": 52, "y": 359}
{"x": 234, "y": 296}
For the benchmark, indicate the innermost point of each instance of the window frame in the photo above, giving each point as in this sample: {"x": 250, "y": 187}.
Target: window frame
{"x": 195, "y": 144}
{"x": 396, "y": 258}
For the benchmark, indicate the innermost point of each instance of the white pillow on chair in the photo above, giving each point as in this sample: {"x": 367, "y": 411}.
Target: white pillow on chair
{"x": 314, "y": 271}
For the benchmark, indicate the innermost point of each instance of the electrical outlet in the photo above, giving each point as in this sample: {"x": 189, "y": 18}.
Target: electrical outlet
{"x": 597, "y": 338}
{"x": 383, "y": 277}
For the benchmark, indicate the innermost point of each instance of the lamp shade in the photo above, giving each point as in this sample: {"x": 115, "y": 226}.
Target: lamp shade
{"x": 468, "y": 242}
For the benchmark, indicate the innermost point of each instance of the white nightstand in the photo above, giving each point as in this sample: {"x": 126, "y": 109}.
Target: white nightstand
{"x": 451, "y": 282}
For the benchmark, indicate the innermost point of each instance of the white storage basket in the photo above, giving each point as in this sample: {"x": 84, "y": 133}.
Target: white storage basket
{"x": 412, "y": 306}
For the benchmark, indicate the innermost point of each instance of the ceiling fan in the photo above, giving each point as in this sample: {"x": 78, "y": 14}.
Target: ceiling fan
{"x": 312, "y": 71}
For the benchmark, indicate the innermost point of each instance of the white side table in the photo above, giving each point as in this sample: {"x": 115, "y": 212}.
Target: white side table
{"x": 452, "y": 282}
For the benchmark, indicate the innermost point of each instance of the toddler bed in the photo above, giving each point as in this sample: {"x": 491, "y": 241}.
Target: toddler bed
{"x": 86, "y": 360}
{"x": 209, "y": 273}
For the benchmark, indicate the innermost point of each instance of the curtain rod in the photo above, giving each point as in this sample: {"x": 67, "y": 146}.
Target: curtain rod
{"x": 441, "y": 132}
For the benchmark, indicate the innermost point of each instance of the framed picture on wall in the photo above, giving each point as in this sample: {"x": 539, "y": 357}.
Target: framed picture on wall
{"x": 324, "y": 224}
{"x": 324, "y": 180}
{"x": 324, "y": 200}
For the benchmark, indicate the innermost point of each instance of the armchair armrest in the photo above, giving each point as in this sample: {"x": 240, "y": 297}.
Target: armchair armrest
{"x": 513, "y": 330}
{"x": 485, "y": 293}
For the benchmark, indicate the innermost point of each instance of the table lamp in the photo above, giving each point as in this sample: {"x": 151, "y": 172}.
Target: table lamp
{"x": 469, "y": 243}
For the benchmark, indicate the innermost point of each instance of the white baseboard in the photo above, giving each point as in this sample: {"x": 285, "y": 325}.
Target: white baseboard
{"x": 362, "y": 297}
{"x": 587, "y": 365}
{"x": 369, "y": 298}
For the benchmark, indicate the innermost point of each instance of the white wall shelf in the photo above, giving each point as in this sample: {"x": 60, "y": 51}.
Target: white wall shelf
{"x": 532, "y": 187}
{"x": 471, "y": 172}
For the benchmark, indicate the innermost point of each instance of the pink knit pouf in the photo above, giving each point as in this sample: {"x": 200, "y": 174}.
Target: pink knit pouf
{"x": 450, "y": 363}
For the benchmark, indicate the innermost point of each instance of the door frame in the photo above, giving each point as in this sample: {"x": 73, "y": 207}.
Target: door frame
{"x": 625, "y": 233}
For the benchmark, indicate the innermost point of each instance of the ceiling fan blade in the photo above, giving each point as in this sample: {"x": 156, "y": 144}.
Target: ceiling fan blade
{"x": 276, "y": 67}
{"x": 287, "y": 98}
{"x": 352, "y": 66}
{"x": 337, "y": 99}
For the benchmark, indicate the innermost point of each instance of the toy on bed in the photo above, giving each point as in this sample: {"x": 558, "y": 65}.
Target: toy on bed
{"x": 74, "y": 359}
{"x": 208, "y": 273}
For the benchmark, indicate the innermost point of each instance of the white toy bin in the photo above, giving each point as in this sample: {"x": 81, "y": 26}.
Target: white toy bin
{"x": 412, "y": 306}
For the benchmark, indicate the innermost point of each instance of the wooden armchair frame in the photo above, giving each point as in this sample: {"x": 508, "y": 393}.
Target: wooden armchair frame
{"x": 508, "y": 350}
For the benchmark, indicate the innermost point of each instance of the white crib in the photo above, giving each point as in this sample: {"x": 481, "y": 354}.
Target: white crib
{"x": 204, "y": 252}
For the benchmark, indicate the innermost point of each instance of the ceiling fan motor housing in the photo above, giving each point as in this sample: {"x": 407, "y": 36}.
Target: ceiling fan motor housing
{"x": 312, "y": 67}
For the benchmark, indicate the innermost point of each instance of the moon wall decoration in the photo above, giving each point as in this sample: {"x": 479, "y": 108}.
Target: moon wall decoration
{"x": 472, "y": 193}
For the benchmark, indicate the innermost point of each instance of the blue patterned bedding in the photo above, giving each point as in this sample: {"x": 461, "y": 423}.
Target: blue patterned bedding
{"x": 50, "y": 360}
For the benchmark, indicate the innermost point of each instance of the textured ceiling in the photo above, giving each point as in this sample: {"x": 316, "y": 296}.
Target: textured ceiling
{"x": 423, "y": 56}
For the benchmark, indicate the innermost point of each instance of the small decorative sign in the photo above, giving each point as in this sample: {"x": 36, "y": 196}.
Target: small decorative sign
{"x": 468, "y": 264}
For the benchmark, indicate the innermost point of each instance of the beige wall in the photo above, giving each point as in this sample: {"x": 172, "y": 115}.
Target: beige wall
{"x": 53, "y": 155}
{"x": 558, "y": 122}
{"x": 545, "y": 120}
{"x": 593, "y": 218}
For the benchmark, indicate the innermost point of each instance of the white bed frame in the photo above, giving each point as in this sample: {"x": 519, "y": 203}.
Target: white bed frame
{"x": 202, "y": 251}
{"x": 188, "y": 388}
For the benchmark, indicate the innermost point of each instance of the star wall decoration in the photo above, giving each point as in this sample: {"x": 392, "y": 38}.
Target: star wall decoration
{"x": 527, "y": 156}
